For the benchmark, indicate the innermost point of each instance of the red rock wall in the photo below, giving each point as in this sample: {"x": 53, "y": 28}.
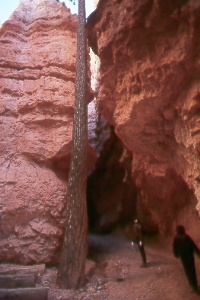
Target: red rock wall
{"x": 150, "y": 93}
{"x": 37, "y": 76}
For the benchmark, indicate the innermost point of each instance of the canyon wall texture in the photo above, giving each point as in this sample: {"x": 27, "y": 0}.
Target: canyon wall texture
{"x": 37, "y": 86}
{"x": 150, "y": 93}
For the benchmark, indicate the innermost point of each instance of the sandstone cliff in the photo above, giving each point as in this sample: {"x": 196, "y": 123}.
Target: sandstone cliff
{"x": 150, "y": 92}
{"x": 37, "y": 76}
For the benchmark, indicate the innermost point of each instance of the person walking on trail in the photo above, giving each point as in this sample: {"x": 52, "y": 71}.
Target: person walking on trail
{"x": 184, "y": 248}
{"x": 138, "y": 240}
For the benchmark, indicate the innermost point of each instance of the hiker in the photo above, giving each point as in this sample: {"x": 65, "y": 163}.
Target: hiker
{"x": 138, "y": 240}
{"x": 184, "y": 248}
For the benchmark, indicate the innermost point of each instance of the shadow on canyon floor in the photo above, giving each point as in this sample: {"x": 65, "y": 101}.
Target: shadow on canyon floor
{"x": 117, "y": 274}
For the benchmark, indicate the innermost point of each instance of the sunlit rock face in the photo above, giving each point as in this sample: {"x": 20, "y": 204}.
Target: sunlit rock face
{"x": 37, "y": 71}
{"x": 150, "y": 92}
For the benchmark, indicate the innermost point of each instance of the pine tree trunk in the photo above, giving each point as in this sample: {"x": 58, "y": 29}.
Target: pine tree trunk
{"x": 71, "y": 271}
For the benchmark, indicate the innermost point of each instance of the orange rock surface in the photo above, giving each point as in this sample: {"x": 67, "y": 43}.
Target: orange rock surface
{"x": 150, "y": 93}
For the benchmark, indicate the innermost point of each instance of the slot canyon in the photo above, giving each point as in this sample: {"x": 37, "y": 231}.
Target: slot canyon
{"x": 143, "y": 114}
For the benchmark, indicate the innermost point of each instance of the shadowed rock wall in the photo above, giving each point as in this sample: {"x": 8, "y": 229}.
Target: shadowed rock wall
{"x": 150, "y": 93}
{"x": 111, "y": 193}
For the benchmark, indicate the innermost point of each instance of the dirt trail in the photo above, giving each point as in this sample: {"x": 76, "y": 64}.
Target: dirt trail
{"x": 119, "y": 276}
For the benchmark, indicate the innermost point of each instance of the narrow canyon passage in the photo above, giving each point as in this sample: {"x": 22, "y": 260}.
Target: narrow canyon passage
{"x": 118, "y": 273}
{"x": 143, "y": 140}
{"x": 124, "y": 278}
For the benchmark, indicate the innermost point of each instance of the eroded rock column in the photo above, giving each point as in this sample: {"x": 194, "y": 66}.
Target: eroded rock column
{"x": 37, "y": 70}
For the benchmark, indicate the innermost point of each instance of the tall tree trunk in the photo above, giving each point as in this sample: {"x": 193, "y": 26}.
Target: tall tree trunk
{"x": 71, "y": 271}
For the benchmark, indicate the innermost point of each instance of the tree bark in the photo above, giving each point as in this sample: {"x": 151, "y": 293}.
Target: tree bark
{"x": 71, "y": 271}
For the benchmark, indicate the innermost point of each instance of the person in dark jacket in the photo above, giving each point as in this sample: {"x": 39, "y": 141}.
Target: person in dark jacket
{"x": 184, "y": 248}
{"x": 138, "y": 240}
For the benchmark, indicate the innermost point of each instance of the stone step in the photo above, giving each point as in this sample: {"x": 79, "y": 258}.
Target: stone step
{"x": 18, "y": 280}
{"x": 39, "y": 269}
{"x": 24, "y": 294}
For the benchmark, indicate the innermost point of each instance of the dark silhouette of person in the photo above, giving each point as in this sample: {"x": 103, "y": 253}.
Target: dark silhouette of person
{"x": 138, "y": 240}
{"x": 184, "y": 248}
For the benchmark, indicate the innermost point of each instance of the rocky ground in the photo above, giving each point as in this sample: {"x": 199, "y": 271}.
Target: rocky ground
{"x": 118, "y": 274}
